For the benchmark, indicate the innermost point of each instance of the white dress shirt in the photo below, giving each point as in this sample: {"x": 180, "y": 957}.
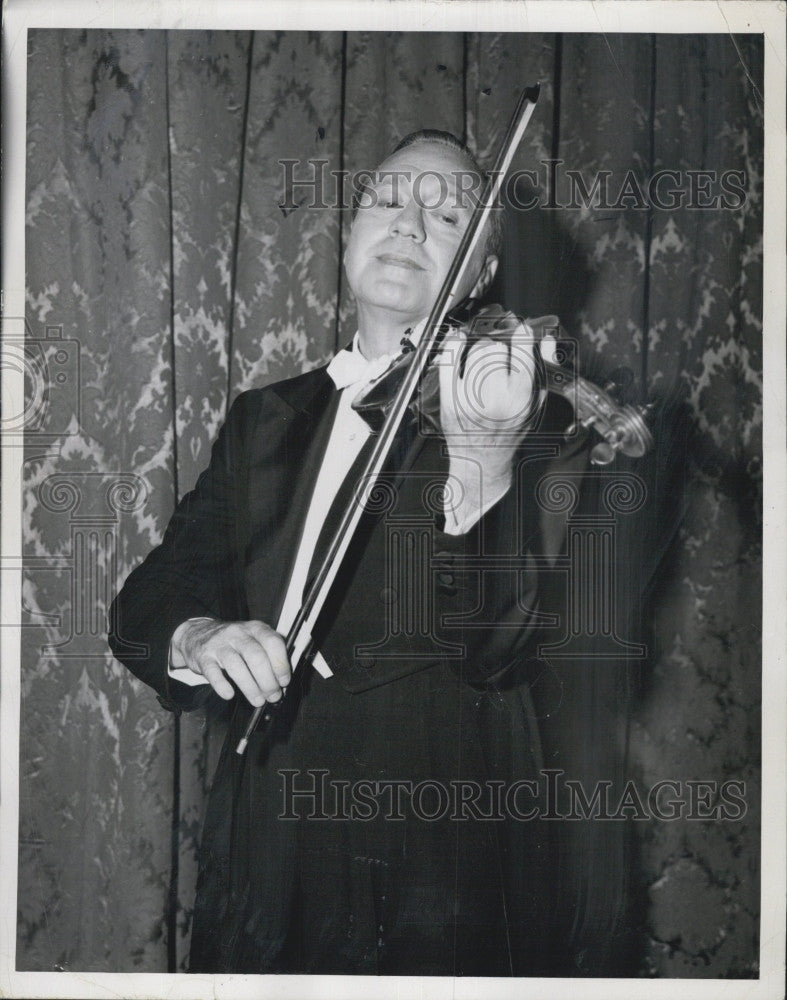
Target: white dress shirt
{"x": 350, "y": 372}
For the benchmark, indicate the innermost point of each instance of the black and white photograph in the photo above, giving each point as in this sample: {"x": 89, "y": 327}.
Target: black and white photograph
{"x": 393, "y": 459}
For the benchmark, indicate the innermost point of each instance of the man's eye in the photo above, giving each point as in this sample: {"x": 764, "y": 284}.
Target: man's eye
{"x": 450, "y": 220}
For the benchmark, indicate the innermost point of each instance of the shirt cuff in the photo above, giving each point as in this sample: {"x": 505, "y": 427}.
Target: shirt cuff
{"x": 184, "y": 674}
{"x": 454, "y": 526}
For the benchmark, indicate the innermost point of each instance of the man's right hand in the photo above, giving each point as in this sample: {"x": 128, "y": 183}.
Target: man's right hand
{"x": 251, "y": 653}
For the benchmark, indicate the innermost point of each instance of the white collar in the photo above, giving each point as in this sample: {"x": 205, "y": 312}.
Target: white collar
{"x": 350, "y": 367}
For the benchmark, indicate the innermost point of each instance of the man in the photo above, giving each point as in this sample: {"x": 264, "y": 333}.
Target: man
{"x": 328, "y": 847}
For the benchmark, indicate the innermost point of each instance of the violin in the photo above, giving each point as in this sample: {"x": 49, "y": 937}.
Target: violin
{"x": 620, "y": 427}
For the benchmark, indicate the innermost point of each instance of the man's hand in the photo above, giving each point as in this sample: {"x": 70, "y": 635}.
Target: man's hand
{"x": 487, "y": 388}
{"x": 251, "y": 653}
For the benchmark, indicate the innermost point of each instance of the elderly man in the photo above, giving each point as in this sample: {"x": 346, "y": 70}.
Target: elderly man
{"x": 369, "y": 829}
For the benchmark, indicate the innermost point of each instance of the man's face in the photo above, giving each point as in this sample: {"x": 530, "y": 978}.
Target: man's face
{"x": 406, "y": 232}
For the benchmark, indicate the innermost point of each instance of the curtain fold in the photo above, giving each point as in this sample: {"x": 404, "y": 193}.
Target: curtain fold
{"x": 174, "y": 260}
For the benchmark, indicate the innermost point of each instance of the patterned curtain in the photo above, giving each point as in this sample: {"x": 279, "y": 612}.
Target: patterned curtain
{"x": 164, "y": 278}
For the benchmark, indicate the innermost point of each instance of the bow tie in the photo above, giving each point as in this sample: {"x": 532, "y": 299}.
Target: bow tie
{"x": 350, "y": 367}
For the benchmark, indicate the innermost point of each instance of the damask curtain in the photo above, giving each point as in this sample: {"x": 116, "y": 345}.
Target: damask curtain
{"x": 172, "y": 261}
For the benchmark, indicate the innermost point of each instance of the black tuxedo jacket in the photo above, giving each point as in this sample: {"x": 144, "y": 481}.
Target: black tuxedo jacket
{"x": 230, "y": 547}
{"x": 432, "y": 639}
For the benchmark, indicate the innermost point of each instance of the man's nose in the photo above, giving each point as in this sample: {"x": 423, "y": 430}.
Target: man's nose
{"x": 409, "y": 221}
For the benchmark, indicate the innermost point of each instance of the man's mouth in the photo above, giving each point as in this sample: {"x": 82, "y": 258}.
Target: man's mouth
{"x": 399, "y": 260}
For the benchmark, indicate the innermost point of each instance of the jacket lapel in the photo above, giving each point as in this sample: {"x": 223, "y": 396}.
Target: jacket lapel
{"x": 286, "y": 450}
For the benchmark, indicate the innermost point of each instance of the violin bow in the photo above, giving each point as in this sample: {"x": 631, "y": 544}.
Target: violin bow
{"x": 298, "y": 638}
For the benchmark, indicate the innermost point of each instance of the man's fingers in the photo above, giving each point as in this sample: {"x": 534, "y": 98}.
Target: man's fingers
{"x": 214, "y": 675}
{"x": 549, "y": 348}
{"x": 251, "y": 654}
{"x": 235, "y": 666}
{"x": 276, "y": 650}
{"x": 259, "y": 665}
{"x": 448, "y": 361}
{"x": 498, "y": 381}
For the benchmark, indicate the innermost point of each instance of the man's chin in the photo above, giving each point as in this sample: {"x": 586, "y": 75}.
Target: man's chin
{"x": 396, "y": 302}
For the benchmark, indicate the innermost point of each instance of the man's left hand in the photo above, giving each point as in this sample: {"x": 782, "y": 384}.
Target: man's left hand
{"x": 487, "y": 390}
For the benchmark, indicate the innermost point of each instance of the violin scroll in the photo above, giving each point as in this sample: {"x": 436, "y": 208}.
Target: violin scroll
{"x": 621, "y": 427}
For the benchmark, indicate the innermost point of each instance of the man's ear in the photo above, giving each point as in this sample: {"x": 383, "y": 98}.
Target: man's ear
{"x": 486, "y": 277}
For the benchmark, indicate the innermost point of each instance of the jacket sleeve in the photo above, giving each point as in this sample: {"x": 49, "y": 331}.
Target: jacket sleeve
{"x": 493, "y": 586}
{"x": 501, "y": 616}
{"x": 194, "y": 572}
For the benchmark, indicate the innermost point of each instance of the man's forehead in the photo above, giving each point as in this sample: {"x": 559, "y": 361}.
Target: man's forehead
{"x": 428, "y": 156}
{"x": 429, "y": 164}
